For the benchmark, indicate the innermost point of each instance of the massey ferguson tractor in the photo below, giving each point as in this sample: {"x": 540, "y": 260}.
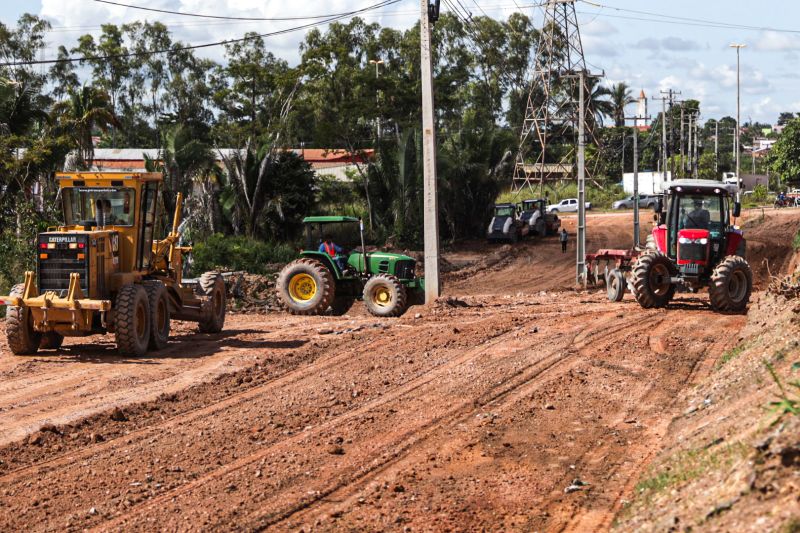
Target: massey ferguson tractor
{"x": 104, "y": 271}
{"x": 695, "y": 245}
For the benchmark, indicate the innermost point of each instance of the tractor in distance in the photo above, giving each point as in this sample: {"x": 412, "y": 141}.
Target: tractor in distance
{"x": 315, "y": 282}
{"x": 506, "y": 224}
{"x": 535, "y": 216}
{"x": 695, "y": 245}
{"x": 104, "y": 271}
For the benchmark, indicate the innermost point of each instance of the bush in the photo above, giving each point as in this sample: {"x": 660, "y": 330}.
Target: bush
{"x": 220, "y": 252}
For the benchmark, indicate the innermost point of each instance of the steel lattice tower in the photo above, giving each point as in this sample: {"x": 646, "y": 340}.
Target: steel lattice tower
{"x": 548, "y": 139}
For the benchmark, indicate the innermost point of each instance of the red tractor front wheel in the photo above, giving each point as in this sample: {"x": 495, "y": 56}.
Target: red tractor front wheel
{"x": 731, "y": 285}
{"x": 652, "y": 284}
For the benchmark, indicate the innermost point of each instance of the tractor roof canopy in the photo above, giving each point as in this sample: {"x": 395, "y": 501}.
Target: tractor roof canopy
{"x": 707, "y": 187}
{"x": 328, "y": 220}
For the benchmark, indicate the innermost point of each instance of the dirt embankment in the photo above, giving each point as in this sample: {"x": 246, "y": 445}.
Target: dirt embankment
{"x": 513, "y": 405}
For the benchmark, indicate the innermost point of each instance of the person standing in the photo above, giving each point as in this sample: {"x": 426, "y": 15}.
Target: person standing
{"x": 563, "y": 237}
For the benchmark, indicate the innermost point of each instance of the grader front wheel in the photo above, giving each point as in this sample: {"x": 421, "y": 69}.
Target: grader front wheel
{"x": 159, "y": 314}
{"x": 213, "y": 288}
{"x": 22, "y": 338}
{"x": 132, "y": 320}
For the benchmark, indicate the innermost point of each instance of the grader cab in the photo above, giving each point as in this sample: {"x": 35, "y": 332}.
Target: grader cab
{"x": 104, "y": 271}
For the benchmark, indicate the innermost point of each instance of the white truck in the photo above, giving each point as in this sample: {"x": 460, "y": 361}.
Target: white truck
{"x": 567, "y": 205}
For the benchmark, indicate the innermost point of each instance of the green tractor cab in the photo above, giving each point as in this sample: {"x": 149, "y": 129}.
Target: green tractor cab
{"x": 315, "y": 282}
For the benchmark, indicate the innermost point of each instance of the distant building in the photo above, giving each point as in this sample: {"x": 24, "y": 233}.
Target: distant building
{"x": 649, "y": 182}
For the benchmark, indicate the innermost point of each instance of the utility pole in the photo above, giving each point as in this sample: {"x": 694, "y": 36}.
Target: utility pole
{"x": 696, "y": 170}
{"x": 690, "y": 146}
{"x": 716, "y": 148}
{"x": 635, "y": 118}
{"x": 670, "y": 96}
{"x": 581, "y": 260}
{"x": 429, "y": 13}
{"x": 738, "y": 113}
{"x": 683, "y": 161}
{"x": 377, "y": 63}
{"x": 664, "y": 138}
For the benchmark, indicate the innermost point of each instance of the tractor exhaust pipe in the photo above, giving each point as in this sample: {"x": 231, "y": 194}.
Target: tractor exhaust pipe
{"x": 363, "y": 246}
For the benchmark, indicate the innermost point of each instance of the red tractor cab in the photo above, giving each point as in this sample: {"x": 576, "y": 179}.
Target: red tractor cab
{"x": 695, "y": 245}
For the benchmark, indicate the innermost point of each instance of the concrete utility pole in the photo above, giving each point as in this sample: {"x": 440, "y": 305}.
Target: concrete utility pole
{"x": 428, "y": 15}
{"x": 377, "y": 63}
{"x": 690, "y": 146}
{"x": 696, "y": 170}
{"x": 664, "y": 138}
{"x": 716, "y": 147}
{"x": 683, "y": 161}
{"x": 581, "y": 238}
{"x": 738, "y": 112}
{"x": 636, "y": 238}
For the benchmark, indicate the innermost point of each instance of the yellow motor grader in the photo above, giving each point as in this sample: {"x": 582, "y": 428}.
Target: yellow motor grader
{"x": 104, "y": 271}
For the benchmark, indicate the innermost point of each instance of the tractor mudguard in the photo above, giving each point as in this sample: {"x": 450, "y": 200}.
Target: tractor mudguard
{"x": 735, "y": 238}
{"x": 326, "y": 260}
{"x": 660, "y": 238}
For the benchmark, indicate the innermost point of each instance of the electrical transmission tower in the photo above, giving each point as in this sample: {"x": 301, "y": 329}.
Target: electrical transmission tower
{"x": 548, "y": 139}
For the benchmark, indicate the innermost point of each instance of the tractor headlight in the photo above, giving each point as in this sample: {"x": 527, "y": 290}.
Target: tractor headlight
{"x": 703, "y": 241}
{"x": 684, "y": 240}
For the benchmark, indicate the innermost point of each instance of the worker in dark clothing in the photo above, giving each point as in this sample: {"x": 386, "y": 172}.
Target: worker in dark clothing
{"x": 563, "y": 237}
{"x": 699, "y": 217}
{"x": 335, "y": 252}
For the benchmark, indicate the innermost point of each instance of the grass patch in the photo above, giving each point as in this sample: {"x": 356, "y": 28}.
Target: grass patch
{"x": 731, "y": 354}
{"x": 796, "y": 242}
{"x": 689, "y": 465}
{"x": 788, "y": 402}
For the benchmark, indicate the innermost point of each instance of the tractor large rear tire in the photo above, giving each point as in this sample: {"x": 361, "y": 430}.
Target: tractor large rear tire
{"x": 307, "y": 287}
{"x": 22, "y": 338}
{"x": 651, "y": 280}
{"x": 132, "y": 320}
{"x": 159, "y": 314}
{"x": 212, "y": 286}
{"x": 384, "y": 296}
{"x": 731, "y": 285}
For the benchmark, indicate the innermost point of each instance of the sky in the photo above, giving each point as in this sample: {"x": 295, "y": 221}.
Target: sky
{"x": 646, "y": 50}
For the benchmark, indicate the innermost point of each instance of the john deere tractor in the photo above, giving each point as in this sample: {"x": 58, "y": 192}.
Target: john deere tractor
{"x": 104, "y": 271}
{"x": 319, "y": 280}
{"x": 695, "y": 245}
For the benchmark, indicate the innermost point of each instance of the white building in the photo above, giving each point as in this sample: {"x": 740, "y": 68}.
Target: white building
{"x": 649, "y": 182}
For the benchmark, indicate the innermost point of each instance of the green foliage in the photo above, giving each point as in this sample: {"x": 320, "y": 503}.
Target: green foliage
{"x": 785, "y": 154}
{"x": 731, "y": 354}
{"x": 796, "y": 242}
{"x": 760, "y": 193}
{"x": 788, "y": 402}
{"x": 220, "y": 252}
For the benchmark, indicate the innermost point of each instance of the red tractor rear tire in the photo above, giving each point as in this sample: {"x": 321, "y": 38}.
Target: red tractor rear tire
{"x": 651, "y": 280}
{"x": 731, "y": 285}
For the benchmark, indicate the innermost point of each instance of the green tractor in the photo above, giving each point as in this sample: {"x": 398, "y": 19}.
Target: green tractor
{"x": 316, "y": 281}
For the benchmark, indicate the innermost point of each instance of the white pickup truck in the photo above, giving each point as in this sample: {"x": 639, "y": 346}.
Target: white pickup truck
{"x": 567, "y": 205}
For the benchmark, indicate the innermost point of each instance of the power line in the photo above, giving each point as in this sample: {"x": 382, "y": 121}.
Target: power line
{"x": 172, "y": 50}
{"x": 221, "y": 17}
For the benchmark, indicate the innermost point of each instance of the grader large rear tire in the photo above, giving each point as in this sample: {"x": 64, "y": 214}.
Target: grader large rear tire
{"x": 132, "y": 320}
{"x": 213, "y": 287}
{"x": 651, "y": 280}
{"x": 307, "y": 287}
{"x": 384, "y": 295}
{"x": 731, "y": 285}
{"x": 159, "y": 314}
{"x": 22, "y": 338}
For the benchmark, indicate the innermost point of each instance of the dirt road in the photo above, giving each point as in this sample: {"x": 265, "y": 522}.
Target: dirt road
{"x": 476, "y": 413}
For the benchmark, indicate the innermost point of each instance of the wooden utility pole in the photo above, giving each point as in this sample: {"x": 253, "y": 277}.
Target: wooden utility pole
{"x": 429, "y": 13}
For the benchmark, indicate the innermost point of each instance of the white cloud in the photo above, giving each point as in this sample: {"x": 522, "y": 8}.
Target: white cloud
{"x": 773, "y": 41}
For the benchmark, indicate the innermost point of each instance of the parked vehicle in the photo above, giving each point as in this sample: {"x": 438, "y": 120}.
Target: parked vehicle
{"x": 567, "y": 205}
{"x": 506, "y": 224}
{"x": 647, "y": 201}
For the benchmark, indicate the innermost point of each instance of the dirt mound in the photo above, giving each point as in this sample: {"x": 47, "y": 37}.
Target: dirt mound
{"x": 770, "y": 235}
{"x": 252, "y": 293}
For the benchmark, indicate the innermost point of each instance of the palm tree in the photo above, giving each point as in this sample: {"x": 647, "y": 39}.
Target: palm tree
{"x": 620, "y": 98}
{"x": 599, "y": 104}
{"x": 84, "y": 112}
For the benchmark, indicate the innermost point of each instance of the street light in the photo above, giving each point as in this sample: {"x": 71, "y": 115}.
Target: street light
{"x": 377, "y": 63}
{"x": 738, "y": 111}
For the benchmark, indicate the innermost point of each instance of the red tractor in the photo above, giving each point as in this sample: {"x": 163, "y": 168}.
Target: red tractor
{"x": 695, "y": 245}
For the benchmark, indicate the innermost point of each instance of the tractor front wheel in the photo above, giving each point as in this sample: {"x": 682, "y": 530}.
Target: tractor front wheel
{"x": 212, "y": 286}
{"x": 307, "y": 287}
{"x": 132, "y": 321}
{"x": 731, "y": 285}
{"x": 652, "y": 286}
{"x": 159, "y": 314}
{"x": 22, "y": 338}
{"x": 384, "y": 295}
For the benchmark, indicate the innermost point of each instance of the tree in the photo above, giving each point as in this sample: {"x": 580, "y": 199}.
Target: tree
{"x": 86, "y": 111}
{"x": 63, "y": 76}
{"x": 784, "y": 118}
{"x": 784, "y": 158}
{"x": 620, "y": 96}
